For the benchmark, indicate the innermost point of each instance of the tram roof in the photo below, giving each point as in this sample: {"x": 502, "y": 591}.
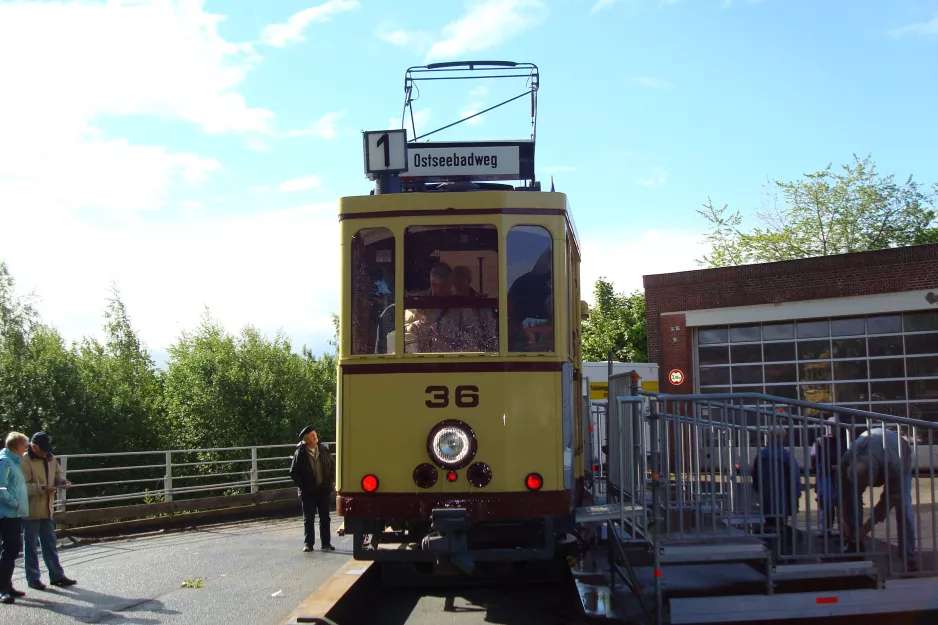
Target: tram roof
{"x": 453, "y": 203}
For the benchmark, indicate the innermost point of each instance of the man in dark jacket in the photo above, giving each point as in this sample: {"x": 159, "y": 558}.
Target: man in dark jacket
{"x": 313, "y": 472}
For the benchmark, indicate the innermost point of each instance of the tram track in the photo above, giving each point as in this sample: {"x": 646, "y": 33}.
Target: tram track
{"x": 374, "y": 593}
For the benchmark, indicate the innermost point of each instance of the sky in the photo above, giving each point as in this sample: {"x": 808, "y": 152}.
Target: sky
{"x": 193, "y": 153}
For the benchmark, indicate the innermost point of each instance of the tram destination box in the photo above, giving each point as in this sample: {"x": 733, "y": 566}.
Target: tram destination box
{"x": 483, "y": 160}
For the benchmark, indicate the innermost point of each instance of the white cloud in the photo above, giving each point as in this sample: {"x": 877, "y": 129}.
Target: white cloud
{"x": 397, "y": 38}
{"x": 279, "y": 35}
{"x": 470, "y": 110}
{"x": 479, "y": 92}
{"x": 303, "y": 183}
{"x": 421, "y": 121}
{"x": 261, "y": 189}
{"x": 79, "y": 62}
{"x": 324, "y": 127}
{"x": 651, "y": 252}
{"x": 654, "y": 83}
{"x": 922, "y": 28}
{"x": 485, "y": 25}
{"x": 233, "y": 265}
{"x": 657, "y": 180}
{"x": 600, "y": 5}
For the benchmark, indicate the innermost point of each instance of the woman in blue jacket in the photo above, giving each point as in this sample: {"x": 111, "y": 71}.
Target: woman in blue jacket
{"x": 14, "y": 507}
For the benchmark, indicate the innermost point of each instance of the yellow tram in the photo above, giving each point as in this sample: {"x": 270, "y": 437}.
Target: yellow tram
{"x": 459, "y": 391}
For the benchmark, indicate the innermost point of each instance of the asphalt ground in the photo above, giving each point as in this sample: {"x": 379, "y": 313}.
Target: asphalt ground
{"x": 254, "y": 572}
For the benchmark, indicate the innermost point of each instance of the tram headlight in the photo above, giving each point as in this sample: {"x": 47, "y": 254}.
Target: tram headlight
{"x": 451, "y": 444}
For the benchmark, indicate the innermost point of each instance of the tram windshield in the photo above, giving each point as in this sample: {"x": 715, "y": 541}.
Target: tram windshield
{"x": 451, "y": 289}
{"x": 451, "y": 284}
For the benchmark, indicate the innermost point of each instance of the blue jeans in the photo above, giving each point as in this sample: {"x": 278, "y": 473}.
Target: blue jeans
{"x": 41, "y": 532}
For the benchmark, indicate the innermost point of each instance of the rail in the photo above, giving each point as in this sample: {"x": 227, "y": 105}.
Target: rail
{"x": 809, "y": 491}
{"x": 127, "y": 485}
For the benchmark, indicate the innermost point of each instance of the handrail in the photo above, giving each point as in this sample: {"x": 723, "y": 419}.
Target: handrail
{"x": 124, "y": 488}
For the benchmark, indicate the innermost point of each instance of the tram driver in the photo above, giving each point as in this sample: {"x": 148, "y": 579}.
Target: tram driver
{"x": 450, "y": 329}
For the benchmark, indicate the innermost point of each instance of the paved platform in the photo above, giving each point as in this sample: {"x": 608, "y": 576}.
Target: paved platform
{"x": 254, "y": 572}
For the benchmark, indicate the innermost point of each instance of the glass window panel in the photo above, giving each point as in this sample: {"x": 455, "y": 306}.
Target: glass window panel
{"x": 884, "y": 324}
{"x": 925, "y": 412}
{"x": 885, "y": 345}
{"x": 746, "y": 353}
{"x": 865, "y": 407}
{"x": 713, "y": 390}
{"x": 530, "y": 292}
{"x": 895, "y": 410}
{"x": 850, "y": 370}
{"x": 372, "y": 291}
{"x": 887, "y": 368}
{"x": 778, "y": 352}
{"x": 817, "y": 393}
{"x": 714, "y": 375}
{"x": 920, "y": 321}
{"x": 848, "y": 348}
{"x": 814, "y": 350}
{"x": 887, "y": 391}
{"x": 437, "y": 318}
{"x": 922, "y": 389}
{"x": 778, "y": 331}
{"x": 781, "y": 373}
{"x": 747, "y": 375}
{"x": 786, "y": 390}
{"x": 848, "y": 327}
{"x": 851, "y": 391}
{"x": 745, "y": 334}
{"x": 814, "y": 371}
{"x": 812, "y": 329}
{"x": 713, "y": 355}
{"x": 707, "y": 336}
{"x": 922, "y": 367}
{"x": 921, "y": 343}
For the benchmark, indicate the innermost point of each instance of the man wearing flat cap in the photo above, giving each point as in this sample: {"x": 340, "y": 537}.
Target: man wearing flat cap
{"x": 43, "y": 476}
{"x": 313, "y": 472}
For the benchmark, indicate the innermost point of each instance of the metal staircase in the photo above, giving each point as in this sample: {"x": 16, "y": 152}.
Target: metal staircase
{"x": 682, "y": 504}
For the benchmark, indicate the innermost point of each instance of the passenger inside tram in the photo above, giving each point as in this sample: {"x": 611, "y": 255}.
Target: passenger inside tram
{"x": 445, "y": 328}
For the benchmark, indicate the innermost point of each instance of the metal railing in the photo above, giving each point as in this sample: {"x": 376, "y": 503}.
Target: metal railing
{"x": 129, "y": 478}
{"x": 801, "y": 477}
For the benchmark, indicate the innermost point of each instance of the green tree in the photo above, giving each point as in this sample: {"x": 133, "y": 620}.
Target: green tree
{"x": 39, "y": 383}
{"x": 827, "y": 212}
{"x": 616, "y": 325}
{"x": 121, "y": 390}
{"x": 225, "y": 391}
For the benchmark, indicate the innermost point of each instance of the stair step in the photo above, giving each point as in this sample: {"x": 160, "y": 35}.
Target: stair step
{"x": 720, "y": 551}
{"x": 606, "y": 512}
{"x": 822, "y": 570}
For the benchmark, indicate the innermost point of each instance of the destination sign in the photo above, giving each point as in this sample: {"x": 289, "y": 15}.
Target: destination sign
{"x": 438, "y": 162}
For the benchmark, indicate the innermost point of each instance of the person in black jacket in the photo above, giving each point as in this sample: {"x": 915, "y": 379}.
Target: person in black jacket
{"x": 313, "y": 472}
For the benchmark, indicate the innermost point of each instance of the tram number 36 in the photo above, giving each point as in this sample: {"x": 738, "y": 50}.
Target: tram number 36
{"x": 466, "y": 396}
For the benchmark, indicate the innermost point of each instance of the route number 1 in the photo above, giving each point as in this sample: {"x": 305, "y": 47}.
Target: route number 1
{"x": 385, "y": 151}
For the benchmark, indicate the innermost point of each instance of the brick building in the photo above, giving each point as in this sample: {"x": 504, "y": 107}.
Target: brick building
{"x": 858, "y": 330}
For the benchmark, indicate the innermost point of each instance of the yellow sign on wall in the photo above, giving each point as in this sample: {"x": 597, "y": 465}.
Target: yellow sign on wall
{"x": 599, "y": 390}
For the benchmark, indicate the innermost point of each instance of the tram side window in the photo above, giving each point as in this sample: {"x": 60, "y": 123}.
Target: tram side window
{"x": 530, "y": 290}
{"x": 372, "y": 285}
{"x": 450, "y": 289}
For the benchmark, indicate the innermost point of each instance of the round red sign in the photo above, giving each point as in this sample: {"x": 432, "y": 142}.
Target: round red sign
{"x": 676, "y": 376}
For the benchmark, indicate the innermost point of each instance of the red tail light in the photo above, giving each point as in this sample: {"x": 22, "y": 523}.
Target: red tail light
{"x": 370, "y": 483}
{"x": 534, "y": 481}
